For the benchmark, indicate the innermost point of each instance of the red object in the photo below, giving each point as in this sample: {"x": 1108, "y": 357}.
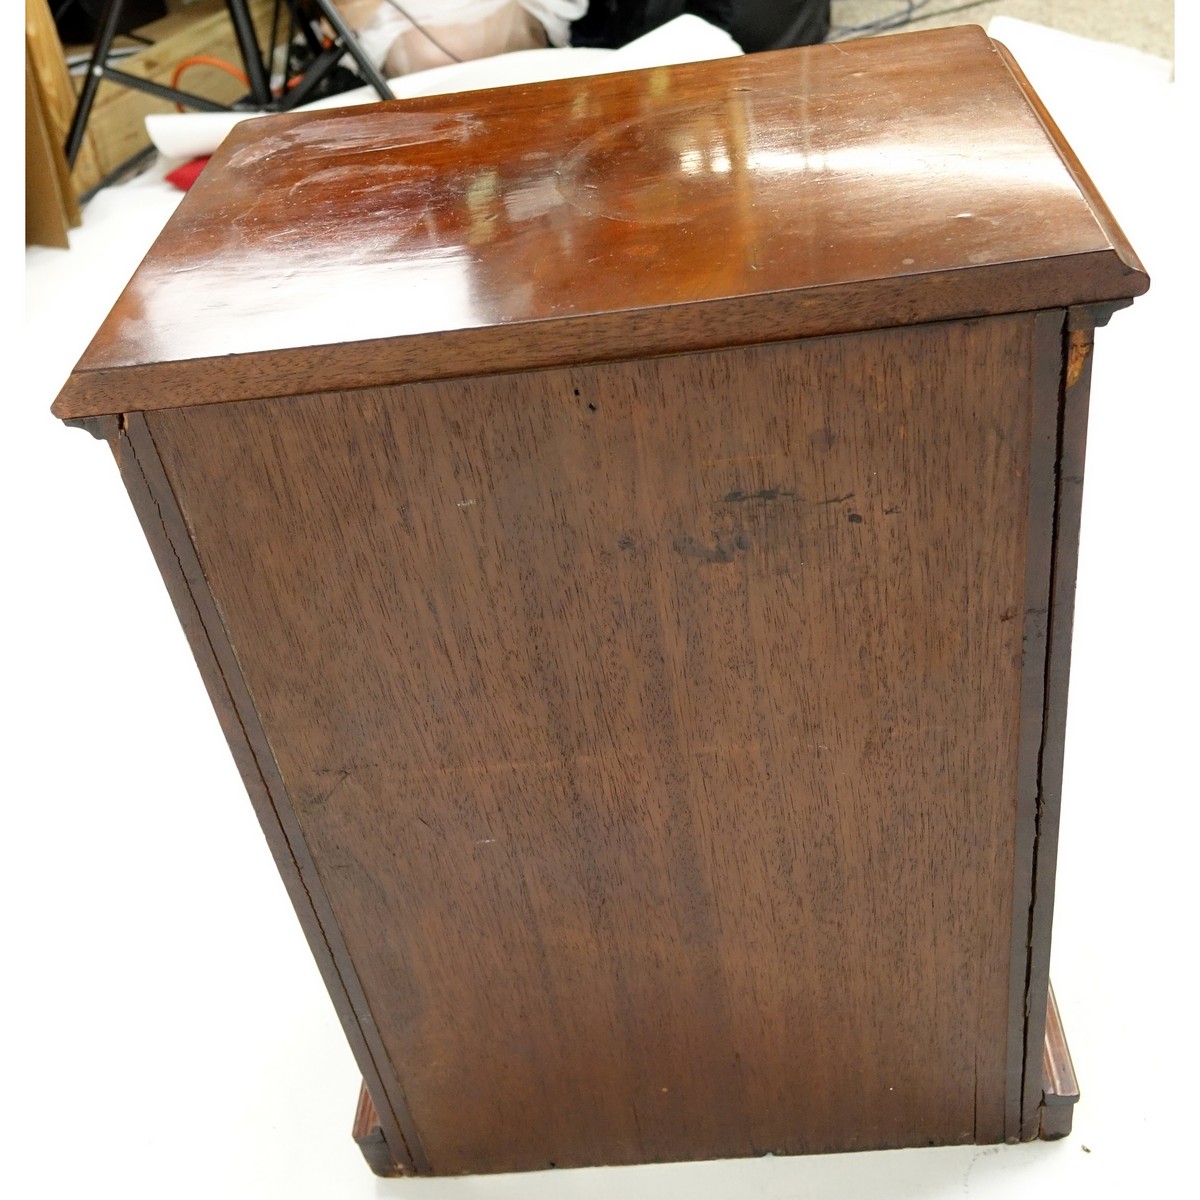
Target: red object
{"x": 183, "y": 177}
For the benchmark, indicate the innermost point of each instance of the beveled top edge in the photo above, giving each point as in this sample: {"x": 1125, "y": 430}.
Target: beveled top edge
{"x": 1100, "y": 211}
{"x": 723, "y": 325}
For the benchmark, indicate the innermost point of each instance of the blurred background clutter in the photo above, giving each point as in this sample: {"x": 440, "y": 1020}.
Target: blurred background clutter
{"x": 115, "y": 86}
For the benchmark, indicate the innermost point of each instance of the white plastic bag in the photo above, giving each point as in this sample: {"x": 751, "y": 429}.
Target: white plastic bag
{"x": 413, "y": 35}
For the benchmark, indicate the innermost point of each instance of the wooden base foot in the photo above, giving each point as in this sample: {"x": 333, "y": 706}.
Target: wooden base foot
{"x": 370, "y": 1139}
{"x": 1060, "y": 1089}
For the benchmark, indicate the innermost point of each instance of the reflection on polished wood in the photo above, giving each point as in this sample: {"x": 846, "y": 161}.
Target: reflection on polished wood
{"x": 627, "y": 528}
{"x": 899, "y": 179}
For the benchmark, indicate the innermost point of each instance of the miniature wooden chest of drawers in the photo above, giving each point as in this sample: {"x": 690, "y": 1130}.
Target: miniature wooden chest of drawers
{"x": 627, "y": 527}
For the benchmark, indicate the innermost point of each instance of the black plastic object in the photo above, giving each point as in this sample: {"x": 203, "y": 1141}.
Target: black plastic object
{"x": 753, "y": 24}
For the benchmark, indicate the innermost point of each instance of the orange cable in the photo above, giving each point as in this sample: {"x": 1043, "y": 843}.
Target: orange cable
{"x": 205, "y": 60}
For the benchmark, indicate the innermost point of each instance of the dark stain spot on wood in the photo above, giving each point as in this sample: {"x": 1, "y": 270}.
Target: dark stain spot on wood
{"x": 591, "y": 407}
{"x": 775, "y": 493}
{"x": 854, "y": 519}
{"x": 1008, "y": 614}
{"x": 736, "y": 497}
{"x": 625, "y": 542}
{"x": 823, "y": 438}
{"x": 722, "y": 551}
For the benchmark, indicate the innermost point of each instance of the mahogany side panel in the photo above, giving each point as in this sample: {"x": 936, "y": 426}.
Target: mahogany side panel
{"x": 654, "y": 731}
{"x": 154, "y": 503}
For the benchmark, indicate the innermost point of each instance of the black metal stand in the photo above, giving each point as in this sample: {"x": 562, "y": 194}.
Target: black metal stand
{"x": 258, "y": 69}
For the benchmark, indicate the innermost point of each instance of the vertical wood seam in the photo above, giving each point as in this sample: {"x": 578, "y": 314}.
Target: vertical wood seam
{"x": 1045, "y": 400}
{"x": 1077, "y": 345}
{"x": 1040, "y": 798}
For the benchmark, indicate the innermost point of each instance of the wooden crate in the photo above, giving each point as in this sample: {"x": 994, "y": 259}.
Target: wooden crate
{"x": 116, "y": 129}
{"x": 50, "y": 91}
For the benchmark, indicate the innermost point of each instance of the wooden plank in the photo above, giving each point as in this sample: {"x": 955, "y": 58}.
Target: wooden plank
{"x": 655, "y": 726}
{"x": 684, "y": 328}
{"x": 46, "y": 203}
{"x": 48, "y": 68}
{"x": 763, "y": 198}
{"x": 152, "y": 498}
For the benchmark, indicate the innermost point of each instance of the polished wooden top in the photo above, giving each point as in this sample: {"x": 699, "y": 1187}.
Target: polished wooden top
{"x": 818, "y": 190}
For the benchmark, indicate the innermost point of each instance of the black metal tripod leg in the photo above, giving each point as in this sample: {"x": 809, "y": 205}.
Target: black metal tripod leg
{"x": 317, "y": 70}
{"x": 351, "y": 46}
{"x": 256, "y": 74}
{"x": 83, "y": 106}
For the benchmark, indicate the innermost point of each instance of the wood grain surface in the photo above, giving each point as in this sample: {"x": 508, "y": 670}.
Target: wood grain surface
{"x": 819, "y": 190}
{"x": 653, "y": 729}
{"x": 158, "y": 513}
